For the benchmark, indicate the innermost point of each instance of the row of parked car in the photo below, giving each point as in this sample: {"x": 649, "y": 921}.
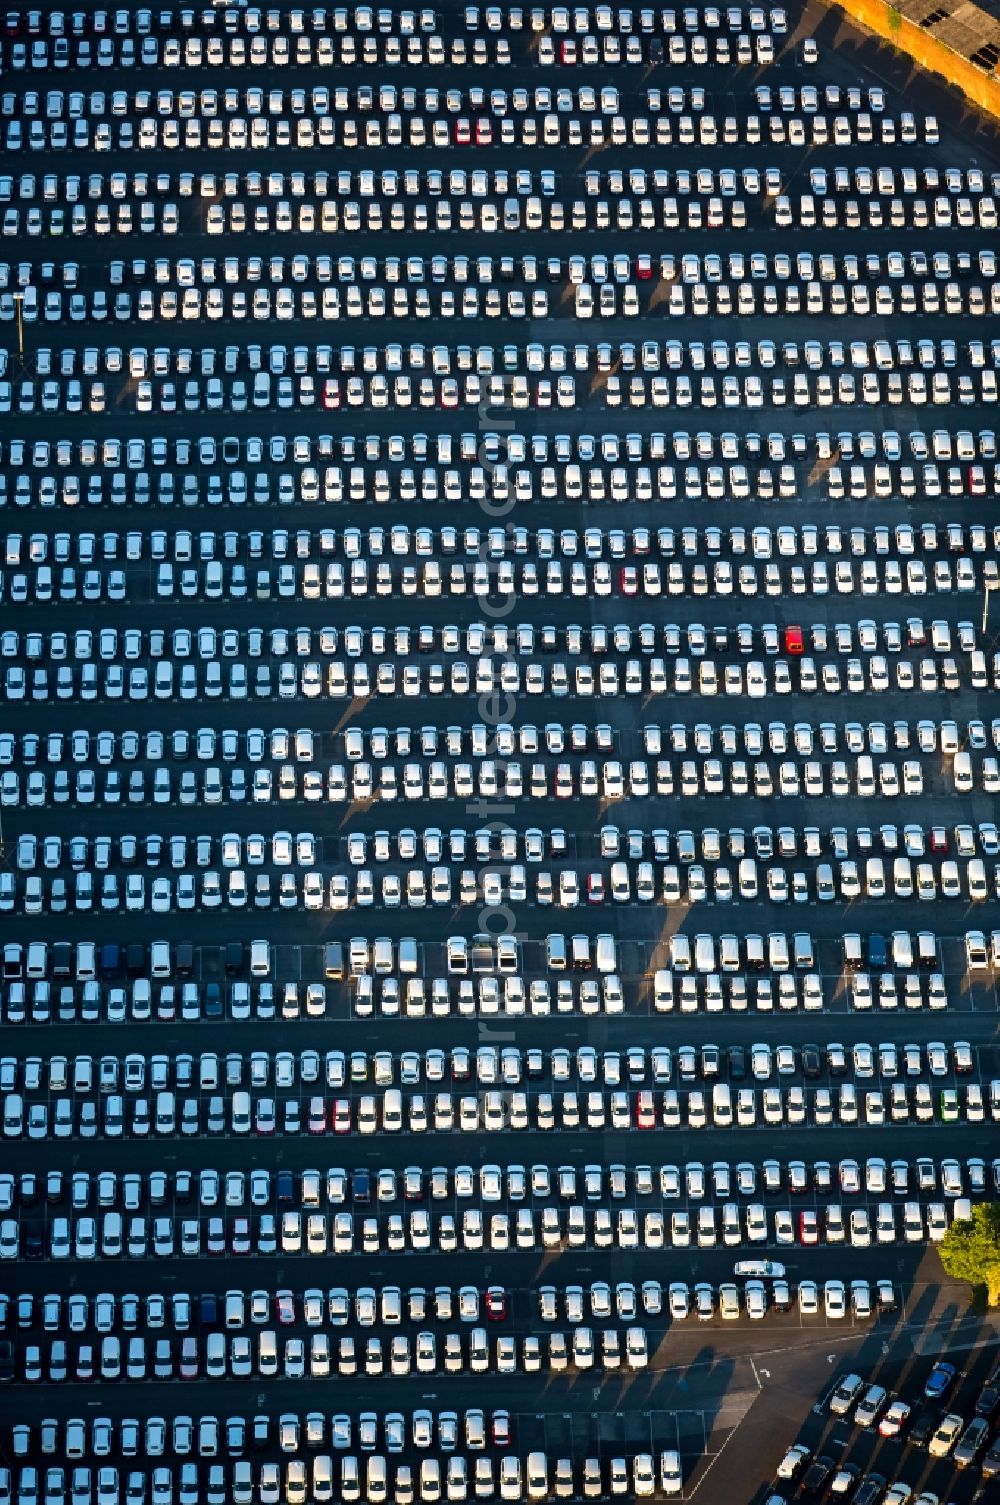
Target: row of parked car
{"x": 497, "y": 1111}
{"x": 183, "y": 455}
{"x": 416, "y": 887}
{"x": 343, "y": 678}
{"x": 495, "y": 1184}
{"x": 322, "y": 1478}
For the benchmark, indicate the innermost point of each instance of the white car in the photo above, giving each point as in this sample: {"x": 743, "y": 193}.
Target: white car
{"x": 671, "y": 1477}
{"x": 835, "y": 1300}
{"x": 808, "y": 1298}
{"x": 792, "y": 1461}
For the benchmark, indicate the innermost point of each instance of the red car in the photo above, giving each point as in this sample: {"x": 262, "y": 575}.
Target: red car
{"x": 643, "y": 267}
{"x": 484, "y": 131}
{"x": 630, "y": 580}
{"x": 595, "y": 888}
{"x": 567, "y": 52}
{"x": 939, "y": 839}
{"x": 463, "y": 132}
{"x": 342, "y": 1116}
{"x": 496, "y": 1303}
{"x": 808, "y": 1227}
{"x": 645, "y": 1110}
{"x": 284, "y": 1307}
{"x": 793, "y": 641}
{"x": 331, "y": 393}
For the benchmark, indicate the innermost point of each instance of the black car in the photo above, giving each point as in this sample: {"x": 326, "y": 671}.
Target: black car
{"x": 988, "y": 1401}
{"x": 812, "y": 1062}
{"x": 923, "y": 1427}
{"x": 815, "y": 1478}
{"x": 135, "y": 958}
{"x": 737, "y": 1063}
{"x": 32, "y": 1239}
{"x": 6, "y": 1360}
{"x": 870, "y": 1490}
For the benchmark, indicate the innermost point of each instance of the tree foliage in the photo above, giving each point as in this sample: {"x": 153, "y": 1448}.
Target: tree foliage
{"x": 970, "y": 1250}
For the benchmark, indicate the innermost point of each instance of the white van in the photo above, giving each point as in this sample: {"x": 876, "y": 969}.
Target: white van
{"x": 322, "y": 1478}
{"x": 378, "y": 1484}
{"x": 537, "y": 1476}
{"x": 902, "y": 950}
{"x": 458, "y": 955}
{"x": 704, "y": 953}
{"x": 240, "y": 1112}
{"x": 392, "y": 1111}
{"x": 680, "y": 953}
{"x": 350, "y": 1479}
{"x": 215, "y": 1356}
{"x": 111, "y": 1235}
{"x": 607, "y": 954}
{"x": 166, "y": 1113}
{"x": 267, "y": 1353}
{"x": 975, "y": 951}
{"x": 508, "y": 960}
{"x": 729, "y": 948}
{"x": 722, "y": 1105}
{"x": 37, "y": 964}
{"x": 663, "y": 989}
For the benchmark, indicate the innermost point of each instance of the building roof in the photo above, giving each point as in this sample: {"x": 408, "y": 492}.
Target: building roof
{"x": 970, "y": 29}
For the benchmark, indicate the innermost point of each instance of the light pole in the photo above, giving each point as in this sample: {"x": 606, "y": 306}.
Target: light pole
{"x": 987, "y": 588}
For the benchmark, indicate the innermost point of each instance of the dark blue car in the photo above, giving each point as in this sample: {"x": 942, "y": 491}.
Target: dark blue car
{"x": 939, "y": 1381}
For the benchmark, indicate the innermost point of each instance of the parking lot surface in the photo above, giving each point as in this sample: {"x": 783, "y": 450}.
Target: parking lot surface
{"x": 499, "y": 756}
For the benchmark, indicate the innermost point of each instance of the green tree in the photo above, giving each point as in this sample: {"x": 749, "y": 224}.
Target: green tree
{"x": 970, "y": 1250}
